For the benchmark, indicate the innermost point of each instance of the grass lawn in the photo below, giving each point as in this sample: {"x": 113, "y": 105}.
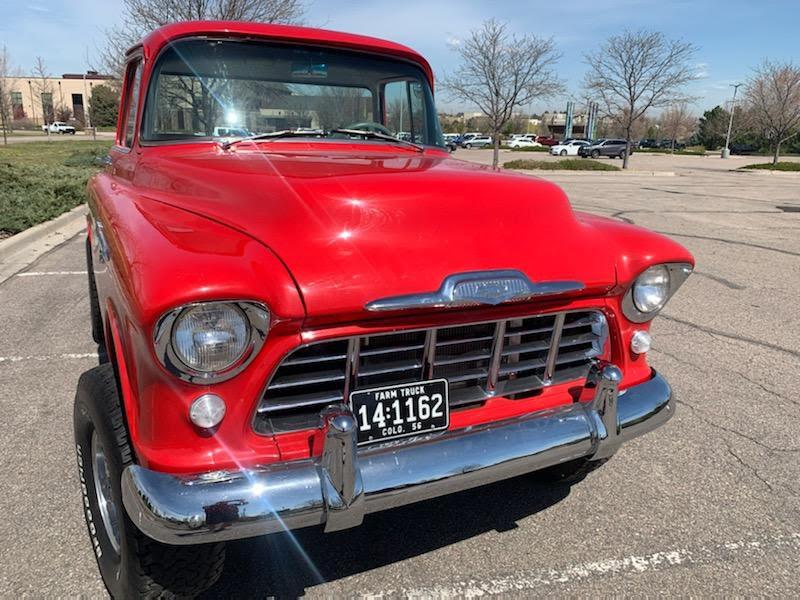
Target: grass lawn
{"x": 781, "y": 166}
{"x": 41, "y": 180}
{"x": 567, "y": 164}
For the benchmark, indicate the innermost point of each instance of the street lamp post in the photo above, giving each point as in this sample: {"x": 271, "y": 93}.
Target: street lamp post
{"x": 726, "y": 151}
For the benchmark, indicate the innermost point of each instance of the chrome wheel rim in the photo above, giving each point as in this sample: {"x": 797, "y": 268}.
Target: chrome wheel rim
{"x": 102, "y": 489}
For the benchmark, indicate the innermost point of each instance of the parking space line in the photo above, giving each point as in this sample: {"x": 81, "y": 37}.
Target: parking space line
{"x": 629, "y": 565}
{"x": 45, "y": 357}
{"x": 47, "y": 273}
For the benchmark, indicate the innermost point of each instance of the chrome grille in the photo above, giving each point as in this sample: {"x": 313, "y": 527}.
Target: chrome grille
{"x": 514, "y": 358}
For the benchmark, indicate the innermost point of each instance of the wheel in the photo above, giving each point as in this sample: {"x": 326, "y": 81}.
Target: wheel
{"x": 595, "y": 154}
{"x": 570, "y": 472}
{"x": 563, "y": 153}
{"x": 94, "y": 303}
{"x": 622, "y": 154}
{"x": 467, "y": 146}
{"x": 131, "y": 564}
{"x": 72, "y": 132}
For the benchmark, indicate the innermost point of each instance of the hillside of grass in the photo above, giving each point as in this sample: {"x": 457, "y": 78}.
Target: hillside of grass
{"x": 42, "y": 180}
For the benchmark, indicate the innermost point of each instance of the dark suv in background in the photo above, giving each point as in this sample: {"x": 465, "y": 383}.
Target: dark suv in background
{"x": 612, "y": 148}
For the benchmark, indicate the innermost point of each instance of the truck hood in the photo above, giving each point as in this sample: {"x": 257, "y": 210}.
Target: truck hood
{"x": 354, "y": 224}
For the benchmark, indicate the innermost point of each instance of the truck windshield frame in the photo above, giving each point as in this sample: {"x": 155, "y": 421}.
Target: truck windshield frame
{"x": 200, "y": 87}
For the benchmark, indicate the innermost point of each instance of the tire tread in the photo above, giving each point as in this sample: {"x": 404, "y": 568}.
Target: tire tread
{"x": 155, "y": 570}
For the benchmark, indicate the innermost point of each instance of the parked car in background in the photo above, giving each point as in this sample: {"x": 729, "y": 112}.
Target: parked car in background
{"x": 231, "y": 132}
{"x": 743, "y": 148}
{"x": 612, "y": 148}
{"x": 451, "y": 141}
{"x": 666, "y": 144}
{"x": 546, "y": 140}
{"x": 524, "y": 141}
{"x": 478, "y": 142}
{"x": 302, "y": 329}
{"x": 59, "y": 127}
{"x": 468, "y": 136}
{"x": 568, "y": 147}
{"x": 648, "y": 143}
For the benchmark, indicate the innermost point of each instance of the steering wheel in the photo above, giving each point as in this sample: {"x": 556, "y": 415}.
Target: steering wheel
{"x": 370, "y": 126}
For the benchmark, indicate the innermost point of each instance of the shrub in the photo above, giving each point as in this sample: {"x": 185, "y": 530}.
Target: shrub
{"x": 41, "y": 180}
{"x": 31, "y": 196}
{"x": 531, "y": 149}
{"x": 686, "y": 152}
{"x": 568, "y": 164}
{"x": 85, "y": 157}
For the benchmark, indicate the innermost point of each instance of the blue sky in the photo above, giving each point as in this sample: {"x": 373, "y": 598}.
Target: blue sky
{"x": 733, "y": 35}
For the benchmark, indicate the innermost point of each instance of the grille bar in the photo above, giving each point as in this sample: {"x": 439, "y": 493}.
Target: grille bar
{"x": 513, "y": 358}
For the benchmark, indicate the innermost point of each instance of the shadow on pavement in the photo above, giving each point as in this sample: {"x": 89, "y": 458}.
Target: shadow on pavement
{"x": 284, "y": 565}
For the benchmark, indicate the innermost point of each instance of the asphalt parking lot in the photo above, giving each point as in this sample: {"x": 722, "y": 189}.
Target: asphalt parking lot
{"x": 709, "y": 504}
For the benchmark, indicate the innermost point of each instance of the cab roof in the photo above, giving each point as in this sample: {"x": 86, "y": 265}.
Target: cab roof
{"x": 152, "y": 43}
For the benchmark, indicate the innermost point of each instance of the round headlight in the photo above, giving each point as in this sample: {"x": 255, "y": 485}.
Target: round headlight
{"x": 210, "y": 337}
{"x": 651, "y": 289}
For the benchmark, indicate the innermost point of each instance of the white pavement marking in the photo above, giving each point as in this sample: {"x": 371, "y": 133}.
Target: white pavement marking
{"x": 629, "y": 565}
{"x": 46, "y": 273}
{"x": 45, "y": 357}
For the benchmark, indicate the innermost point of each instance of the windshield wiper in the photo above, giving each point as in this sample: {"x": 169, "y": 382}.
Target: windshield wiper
{"x": 269, "y": 136}
{"x": 292, "y": 133}
{"x": 377, "y": 136}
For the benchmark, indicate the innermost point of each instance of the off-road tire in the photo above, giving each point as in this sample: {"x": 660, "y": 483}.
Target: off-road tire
{"x": 569, "y": 473}
{"x": 595, "y": 154}
{"x": 143, "y": 568}
{"x": 94, "y": 302}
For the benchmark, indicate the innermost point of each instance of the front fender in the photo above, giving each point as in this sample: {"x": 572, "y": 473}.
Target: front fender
{"x": 159, "y": 257}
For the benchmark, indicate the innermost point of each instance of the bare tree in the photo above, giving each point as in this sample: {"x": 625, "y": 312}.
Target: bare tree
{"x": 5, "y": 92}
{"x": 773, "y": 96}
{"x": 677, "y": 122}
{"x": 636, "y": 71}
{"x": 141, "y": 16}
{"x": 44, "y": 88}
{"x": 63, "y": 113}
{"x": 501, "y": 72}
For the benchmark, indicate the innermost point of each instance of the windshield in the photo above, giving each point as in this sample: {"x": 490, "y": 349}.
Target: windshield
{"x": 206, "y": 89}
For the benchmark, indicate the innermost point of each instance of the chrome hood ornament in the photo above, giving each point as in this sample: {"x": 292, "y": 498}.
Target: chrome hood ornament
{"x": 475, "y": 288}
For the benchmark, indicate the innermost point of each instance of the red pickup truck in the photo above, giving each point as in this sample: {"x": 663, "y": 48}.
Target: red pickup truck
{"x": 322, "y": 318}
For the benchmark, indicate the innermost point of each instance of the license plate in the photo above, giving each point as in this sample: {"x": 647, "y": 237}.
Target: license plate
{"x": 397, "y": 411}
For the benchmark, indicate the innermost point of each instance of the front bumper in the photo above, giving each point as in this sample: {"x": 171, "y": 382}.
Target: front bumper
{"x": 342, "y": 485}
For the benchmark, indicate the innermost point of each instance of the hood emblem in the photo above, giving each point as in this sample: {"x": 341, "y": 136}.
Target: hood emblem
{"x": 476, "y": 288}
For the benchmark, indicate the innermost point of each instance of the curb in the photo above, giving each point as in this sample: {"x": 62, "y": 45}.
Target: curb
{"x": 558, "y": 172}
{"x": 770, "y": 172}
{"x": 22, "y": 249}
{"x": 67, "y": 221}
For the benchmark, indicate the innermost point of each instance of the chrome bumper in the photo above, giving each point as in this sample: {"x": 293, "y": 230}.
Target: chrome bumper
{"x": 338, "y": 488}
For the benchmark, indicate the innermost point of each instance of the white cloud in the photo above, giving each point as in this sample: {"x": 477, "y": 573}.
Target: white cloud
{"x": 701, "y": 71}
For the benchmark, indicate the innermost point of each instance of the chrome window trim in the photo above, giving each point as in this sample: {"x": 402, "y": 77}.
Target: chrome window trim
{"x": 258, "y": 318}
{"x": 678, "y": 273}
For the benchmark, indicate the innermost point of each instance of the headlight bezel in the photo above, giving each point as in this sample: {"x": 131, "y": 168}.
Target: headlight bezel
{"x": 678, "y": 272}
{"x": 257, "y": 316}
